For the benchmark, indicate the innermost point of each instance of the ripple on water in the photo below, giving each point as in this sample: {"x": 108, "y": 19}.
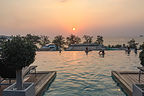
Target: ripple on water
{"x": 81, "y": 75}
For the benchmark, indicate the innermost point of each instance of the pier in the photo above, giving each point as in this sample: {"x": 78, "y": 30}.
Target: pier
{"x": 126, "y": 79}
{"x": 42, "y": 80}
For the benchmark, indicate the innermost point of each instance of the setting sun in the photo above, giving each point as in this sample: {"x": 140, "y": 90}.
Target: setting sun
{"x": 73, "y": 29}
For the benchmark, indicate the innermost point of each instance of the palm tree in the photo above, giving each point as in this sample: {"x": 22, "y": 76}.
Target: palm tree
{"x": 72, "y": 39}
{"x": 132, "y": 43}
{"x": 88, "y": 39}
{"x": 77, "y": 40}
{"x": 59, "y": 41}
{"x": 99, "y": 40}
{"x": 44, "y": 40}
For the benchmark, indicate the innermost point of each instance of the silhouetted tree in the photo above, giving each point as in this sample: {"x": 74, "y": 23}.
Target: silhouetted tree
{"x": 141, "y": 55}
{"x": 99, "y": 40}
{"x": 72, "y": 39}
{"x": 142, "y": 46}
{"x": 3, "y": 39}
{"x": 59, "y": 41}
{"x": 132, "y": 43}
{"x": 124, "y": 46}
{"x": 77, "y": 40}
{"x": 109, "y": 46}
{"x": 44, "y": 40}
{"x": 118, "y": 46}
{"x": 115, "y": 46}
{"x": 16, "y": 54}
{"x": 33, "y": 38}
{"x": 88, "y": 39}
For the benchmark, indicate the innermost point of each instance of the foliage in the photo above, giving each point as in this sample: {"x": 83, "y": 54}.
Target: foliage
{"x": 32, "y": 38}
{"x": 18, "y": 52}
{"x": 141, "y": 56}
{"x": 72, "y": 39}
{"x": 118, "y": 46}
{"x": 124, "y": 45}
{"x": 88, "y": 39}
{"x": 99, "y": 40}
{"x": 59, "y": 41}
{"x": 3, "y": 39}
{"x": 142, "y": 46}
{"x": 132, "y": 43}
{"x": 44, "y": 40}
{"x": 114, "y": 46}
{"x": 77, "y": 40}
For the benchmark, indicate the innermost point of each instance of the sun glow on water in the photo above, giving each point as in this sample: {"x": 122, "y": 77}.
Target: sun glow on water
{"x": 83, "y": 75}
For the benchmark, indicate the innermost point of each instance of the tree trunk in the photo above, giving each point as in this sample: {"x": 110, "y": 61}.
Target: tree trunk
{"x": 19, "y": 80}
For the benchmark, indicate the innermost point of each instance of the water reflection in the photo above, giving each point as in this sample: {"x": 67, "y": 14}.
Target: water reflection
{"x": 81, "y": 75}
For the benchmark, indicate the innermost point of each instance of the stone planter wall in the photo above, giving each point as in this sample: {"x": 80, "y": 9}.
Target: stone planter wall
{"x": 137, "y": 90}
{"x": 29, "y": 90}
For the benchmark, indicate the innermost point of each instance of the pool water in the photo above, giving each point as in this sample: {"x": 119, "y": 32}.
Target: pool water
{"x": 79, "y": 74}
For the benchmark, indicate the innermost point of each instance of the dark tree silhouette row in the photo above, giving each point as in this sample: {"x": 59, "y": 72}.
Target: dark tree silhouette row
{"x": 61, "y": 41}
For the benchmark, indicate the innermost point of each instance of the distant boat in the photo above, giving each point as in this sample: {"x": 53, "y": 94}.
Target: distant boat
{"x": 140, "y": 35}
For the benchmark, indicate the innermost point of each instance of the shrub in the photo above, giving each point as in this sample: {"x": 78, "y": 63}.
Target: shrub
{"x": 17, "y": 53}
{"x": 141, "y": 56}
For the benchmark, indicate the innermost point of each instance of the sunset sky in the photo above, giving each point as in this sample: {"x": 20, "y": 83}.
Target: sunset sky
{"x": 60, "y": 17}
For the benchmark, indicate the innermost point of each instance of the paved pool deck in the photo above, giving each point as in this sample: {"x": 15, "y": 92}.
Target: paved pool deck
{"x": 126, "y": 79}
{"x": 42, "y": 80}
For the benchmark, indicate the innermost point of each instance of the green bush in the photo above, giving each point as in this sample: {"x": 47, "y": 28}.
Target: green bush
{"x": 18, "y": 53}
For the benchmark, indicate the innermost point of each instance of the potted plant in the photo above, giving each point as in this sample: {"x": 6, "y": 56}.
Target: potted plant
{"x": 17, "y": 53}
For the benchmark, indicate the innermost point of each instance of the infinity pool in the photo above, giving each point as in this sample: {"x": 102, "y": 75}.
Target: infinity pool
{"x": 79, "y": 74}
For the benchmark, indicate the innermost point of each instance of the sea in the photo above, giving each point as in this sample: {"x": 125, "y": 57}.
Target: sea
{"x": 122, "y": 40}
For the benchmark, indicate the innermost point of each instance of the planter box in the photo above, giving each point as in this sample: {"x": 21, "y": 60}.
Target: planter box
{"x": 29, "y": 90}
{"x": 138, "y": 89}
